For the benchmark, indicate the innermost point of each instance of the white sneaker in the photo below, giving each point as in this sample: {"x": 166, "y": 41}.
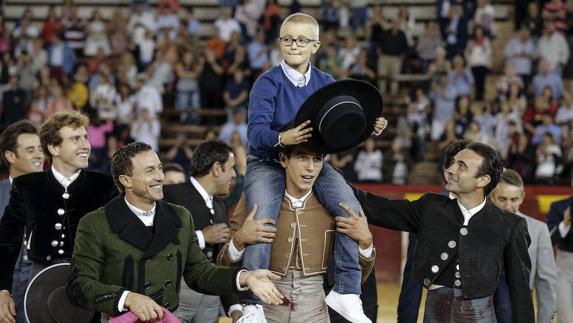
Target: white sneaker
{"x": 253, "y": 314}
{"x": 347, "y": 305}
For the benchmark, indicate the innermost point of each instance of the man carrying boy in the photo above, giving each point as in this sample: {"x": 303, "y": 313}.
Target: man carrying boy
{"x": 275, "y": 99}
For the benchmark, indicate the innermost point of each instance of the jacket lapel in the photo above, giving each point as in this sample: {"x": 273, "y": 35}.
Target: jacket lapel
{"x": 126, "y": 224}
{"x": 166, "y": 224}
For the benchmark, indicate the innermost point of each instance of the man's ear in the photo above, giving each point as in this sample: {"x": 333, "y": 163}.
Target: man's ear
{"x": 216, "y": 169}
{"x": 54, "y": 150}
{"x": 283, "y": 159}
{"x": 10, "y": 156}
{"x": 315, "y": 47}
{"x": 483, "y": 181}
{"x": 125, "y": 181}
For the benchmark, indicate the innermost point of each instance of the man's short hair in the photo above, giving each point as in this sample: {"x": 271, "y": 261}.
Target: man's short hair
{"x": 511, "y": 177}
{"x": 206, "y": 155}
{"x": 288, "y": 150}
{"x": 452, "y": 150}
{"x": 173, "y": 167}
{"x": 9, "y": 138}
{"x": 49, "y": 131}
{"x": 491, "y": 165}
{"x": 121, "y": 163}
{"x": 302, "y": 18}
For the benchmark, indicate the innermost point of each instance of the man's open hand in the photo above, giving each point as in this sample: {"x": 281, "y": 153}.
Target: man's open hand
{"x": 216, "y": 233}
{"x": 144, "y": 307}
{"x": 260, "y": 281}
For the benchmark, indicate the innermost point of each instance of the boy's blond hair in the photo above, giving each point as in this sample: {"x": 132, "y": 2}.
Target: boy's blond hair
{"x": 301, "y": 18}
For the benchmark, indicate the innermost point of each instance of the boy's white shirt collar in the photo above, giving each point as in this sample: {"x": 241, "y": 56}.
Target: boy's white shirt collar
{"x": 297, "y": 202}
{"x": 295, "y": 77}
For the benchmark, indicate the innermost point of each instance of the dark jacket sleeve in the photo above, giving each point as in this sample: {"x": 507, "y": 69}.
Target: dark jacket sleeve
{"x": 228, "y": 301}
{"x": 12, "y": 228}
{"x": 554, "y": 217}
{"x": 517, "y": 270}
{"x": 400, "y": 215}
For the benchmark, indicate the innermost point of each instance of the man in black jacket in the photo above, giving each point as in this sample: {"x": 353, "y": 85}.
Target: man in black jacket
{"x": 212, "y": 171}
{"x": 463, "y": 244}
{"x": 48, "y": 205}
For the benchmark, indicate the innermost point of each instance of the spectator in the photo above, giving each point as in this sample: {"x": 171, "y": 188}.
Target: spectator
{"x": 441, "y": 66}
{"x": 360, "y": 70}
{"x": 393, "y": 49}
{"x": 57, "y": 101}
{"x": 117, "y": 31}
{"x": 329, "y": 10}
{"x": 552, "y": 47}
{"x": 534, "y": 114}
{"x": 504, "y": 119}
{"x": 13, "y": 103}
{"x": 74, "y": 31}
{"x": 545, "y": 77}
{"x": 485, "y": 17}
{"x": 147, "y": 98}
{"x": 61, "y": 59}
{"x": 521, "y": 157}
{"x": 417, "y": 118}
{"x": 359, "y": 15}
{"x": 331, "y": 64}
{"x": 125, "y": 103}
{"x": 456, "y": 32}
{"x": 211, "y": 80}
{"x": 565, "y": 111}
{"x": 400, "y": 165}
{"x": 532, "y": 21}
{"x": 51, "y": 25}
{"x": 474, "y": 133}
{"x": 368, "y": 165}
{"x": 227, "y": 24}
{"x": 216, "y": 44}
{"x": 517, "y": 100}
{"x": 39, "y": 54}
{"x": 27, "y": 74}
{"x": 484, "y": 118}
{"x": 407, "y": 24}
{"x": 96, "y": 62}
{"x": 507, "y": 80}
{"x": 548, "y": 156}
{"x": 146, "y": 50}
{"x": 98, "y": 130}
{"x": 237, "y": 124}
{"x": 174, "y": 174}
{"x": 180, "y": 153}
{"x": 546, "y": 127}
{"x": 126, "y": 69}
{"x": 96, "y": 36}
{"x": 248, "y": 14}
{"x": 194, "y": 26}
{"x": 24, "y": 33}
{"x": 4, "y": 36}
{"x": 349, "y": 53}
{"x": 344, "y": 162}
{"x": 38, "y": 106}
{"x": 443, "y": 97}
{"x": 103, "y": 99}
{"x": 427, "y": 45}
{"x": 520, "y": 51}
{"x": 141, "y": 21}
{"x": 271, "y": 21}
{"x": 258, "y": 53}
{"x": 479, "y": 57}
{"x": 167, "y": 21}
{"x": 375, "y": 27}
{"x": 555, "y": 10}
{"x": 236, "y": 93}
{"x": 463, "y": 115}
{"x": 240, "y": 61}
{"x": 146, "y": 128}
{"x": 187, "y": 88}
{"x": 461, "y": 77}
{"x": 78, "y": 93}
{"x": 162, "y": 73}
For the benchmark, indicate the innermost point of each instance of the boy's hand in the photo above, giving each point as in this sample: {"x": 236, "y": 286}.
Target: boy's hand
{"x": 379, "y": 126}
{"x": 296, "y": 135}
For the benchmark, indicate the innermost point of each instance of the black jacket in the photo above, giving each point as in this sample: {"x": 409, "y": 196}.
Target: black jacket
{"x": 187, "y": 196}
{"x": 495, "y": 241}
{"x": 50, "y": 217}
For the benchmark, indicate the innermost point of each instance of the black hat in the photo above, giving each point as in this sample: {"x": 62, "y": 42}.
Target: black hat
{"x": 46, "y": 300}
{"x": 342, "y": 115}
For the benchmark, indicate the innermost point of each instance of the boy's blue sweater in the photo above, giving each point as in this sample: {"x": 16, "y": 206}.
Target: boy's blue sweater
{"x": 273, "y": 103}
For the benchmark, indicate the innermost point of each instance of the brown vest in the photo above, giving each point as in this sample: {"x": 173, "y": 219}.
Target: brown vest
{"x": 304, "y": 238}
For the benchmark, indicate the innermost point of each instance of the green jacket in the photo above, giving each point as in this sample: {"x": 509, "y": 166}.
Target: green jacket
{"x": 114, "y": 252}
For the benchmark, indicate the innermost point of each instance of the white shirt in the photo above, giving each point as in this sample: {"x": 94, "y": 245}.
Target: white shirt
{"x": 564, "y": 229}
{"x": 295, "y": 77}
{"x": 235, "y": 254}
{"x": 65, "y": 181}
{"x": 209, "y": 202}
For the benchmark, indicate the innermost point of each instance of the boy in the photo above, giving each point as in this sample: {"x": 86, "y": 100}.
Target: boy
{"x": 274, "y": 101}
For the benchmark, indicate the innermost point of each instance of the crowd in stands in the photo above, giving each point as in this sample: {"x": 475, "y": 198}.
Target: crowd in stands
{"x": 125, "y": 71}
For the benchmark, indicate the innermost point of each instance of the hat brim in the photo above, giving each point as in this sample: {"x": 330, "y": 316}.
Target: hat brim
{"x": 365, "y": 93}
{"x": 46, "y": 299}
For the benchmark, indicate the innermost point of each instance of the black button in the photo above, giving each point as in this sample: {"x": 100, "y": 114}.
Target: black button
{"x": 168, "y": 283}
{"x": 147, "y": 285}
{"x": 166, "y": 305}
{"x": 170, "y": 257}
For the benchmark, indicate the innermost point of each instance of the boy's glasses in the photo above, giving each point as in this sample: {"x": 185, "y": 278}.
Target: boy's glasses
{"x": 300, "y": 42}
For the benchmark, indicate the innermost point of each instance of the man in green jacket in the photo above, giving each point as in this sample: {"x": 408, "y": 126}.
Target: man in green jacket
{"x": 131, "y": 253}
